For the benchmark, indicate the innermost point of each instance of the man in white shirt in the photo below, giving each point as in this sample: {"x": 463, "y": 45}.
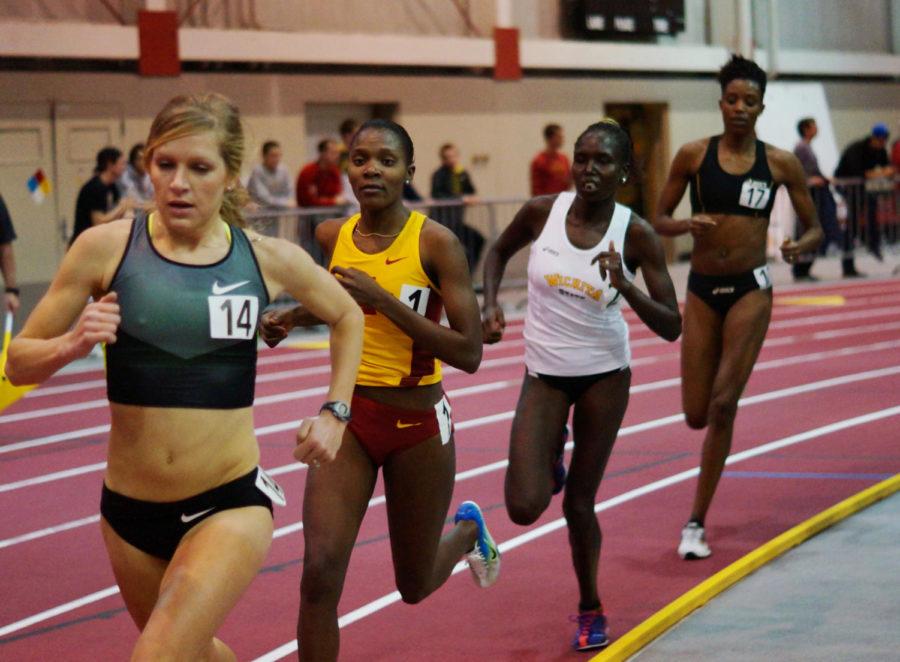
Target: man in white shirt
{"x": 270, "y": 186}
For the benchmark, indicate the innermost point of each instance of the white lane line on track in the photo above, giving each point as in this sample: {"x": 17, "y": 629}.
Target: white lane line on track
{"x": 297, "y": 526}
{"x": 386, "y": 600}
{"x": 50, "y": 530}
{"x": 491, "y": 386}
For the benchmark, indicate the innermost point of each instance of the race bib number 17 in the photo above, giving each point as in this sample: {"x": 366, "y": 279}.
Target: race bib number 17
{"x": 233, "y": 317}
{"x": 755, "y": 194}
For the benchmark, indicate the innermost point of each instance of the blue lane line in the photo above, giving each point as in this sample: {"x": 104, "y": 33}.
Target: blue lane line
{"x": 803, "y": 474}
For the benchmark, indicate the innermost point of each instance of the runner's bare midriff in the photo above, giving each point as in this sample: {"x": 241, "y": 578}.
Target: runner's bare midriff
{"x": 168, "y": 454}
{"x": 737, "y": 244}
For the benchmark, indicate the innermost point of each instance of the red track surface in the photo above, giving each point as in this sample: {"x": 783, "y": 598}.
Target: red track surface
{"x": 524, "y": 617}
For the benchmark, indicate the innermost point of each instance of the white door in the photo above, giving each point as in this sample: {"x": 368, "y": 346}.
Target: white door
{"x": 26, "y": 145}
{"x": 82, "y": 130}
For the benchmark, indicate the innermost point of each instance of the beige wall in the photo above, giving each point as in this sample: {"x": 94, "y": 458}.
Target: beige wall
{"x": 500, "y": 121}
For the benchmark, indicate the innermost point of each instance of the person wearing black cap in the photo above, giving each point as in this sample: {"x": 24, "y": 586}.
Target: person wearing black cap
{"x": 866, "y": 159}
{"x": 99, "y": 200}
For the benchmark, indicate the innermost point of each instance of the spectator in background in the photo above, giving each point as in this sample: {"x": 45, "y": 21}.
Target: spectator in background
{"x": 135, "y": 181}
{"x": 821, "y": 196}
{"x": 550, "y": 169}
{"x": 452, "y": 182}
{"x": 99, "y": 200}
{"x": 270, "y": 183}
{"x": 347, "y": 129}
{"x": 319, "y": 182}
{"x": 8, "y": 260}
{"x": 866, "y": 159}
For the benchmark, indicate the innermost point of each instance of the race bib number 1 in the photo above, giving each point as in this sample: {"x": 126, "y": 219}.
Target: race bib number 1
{"x": 445, "y": 420}
{"x": 415, "y": 297}
{"x": 755, "y": 194}
{"x": 233, "y": 317}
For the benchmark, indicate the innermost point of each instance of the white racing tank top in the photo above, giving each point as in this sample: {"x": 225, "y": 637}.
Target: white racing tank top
{"x": 574, "y": 324}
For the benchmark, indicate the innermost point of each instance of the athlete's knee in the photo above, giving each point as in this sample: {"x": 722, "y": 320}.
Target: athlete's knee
{"x": 321, "y": 583}
{"x": 412, "y": 591}
{"x": 579, "y": 511}
{"x": 695, "y": 420}
{"x": 723, "y": 409}
{"x": 525, "y": 509}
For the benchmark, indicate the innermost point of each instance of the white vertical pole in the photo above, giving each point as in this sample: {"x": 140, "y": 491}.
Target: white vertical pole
{"x": 155, "y": 5}
{"x": 744, "y": 28}
{"x": 774, "y": 46}
{"x": 504, "y": 14}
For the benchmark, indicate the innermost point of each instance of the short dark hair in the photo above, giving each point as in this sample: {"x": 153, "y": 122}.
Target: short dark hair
{"x": 269, "y": 145}
{"x": 613, "y": 128}
{"x": 804, "y": 124}
{"x": 740, "y": 68}
{"x": 550, "y": 130}
{"x": 348, "y": 126}
{"x": 444, "y": 148}
{"x": 390, "y": 127}
{"x": 323, "y": 145}
{"x": 133, "y": 152}
{"x": 106, "y": 156}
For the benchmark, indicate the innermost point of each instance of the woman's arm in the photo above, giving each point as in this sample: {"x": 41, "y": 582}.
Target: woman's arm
{"x": 659, "y": 311}
{"x": 49, "y": 341}
{"x": 523, "y": 229}
{"x": 276, "y": 324}
{"x": 289, "y": 268}
{"x": 683, "y": 168}
{"x": 459, "y": 344}
{"x": 795, "y": 182}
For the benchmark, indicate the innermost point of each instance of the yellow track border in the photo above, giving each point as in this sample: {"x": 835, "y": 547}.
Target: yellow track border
{"x": 637, "y": 638}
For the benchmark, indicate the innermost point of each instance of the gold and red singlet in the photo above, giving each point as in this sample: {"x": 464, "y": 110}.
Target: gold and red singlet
{"x": 390, "y": 357}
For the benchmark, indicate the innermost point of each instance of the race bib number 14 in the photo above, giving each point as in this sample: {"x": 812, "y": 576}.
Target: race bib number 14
{"x": 233, "y": 317}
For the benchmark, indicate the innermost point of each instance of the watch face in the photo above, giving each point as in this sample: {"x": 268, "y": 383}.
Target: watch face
{"x": 341, "y": 410}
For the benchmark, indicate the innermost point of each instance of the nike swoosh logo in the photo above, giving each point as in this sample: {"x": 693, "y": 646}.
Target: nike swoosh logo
{"x": 388, "y": 260}
{"x": 401, "y": 425}
{"x": 224, "y": 289}
{"x": 191, "y": 518}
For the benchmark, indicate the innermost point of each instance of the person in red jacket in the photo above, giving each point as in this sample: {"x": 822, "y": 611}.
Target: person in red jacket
{"x": 319, "y": 182}
{"x": 550, "y": 170}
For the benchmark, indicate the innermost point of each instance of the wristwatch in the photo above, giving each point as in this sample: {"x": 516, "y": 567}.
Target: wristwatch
{"x": 338, "y": 408}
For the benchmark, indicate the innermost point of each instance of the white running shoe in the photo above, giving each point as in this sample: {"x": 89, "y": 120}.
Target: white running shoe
{"x": 693, "y": 542}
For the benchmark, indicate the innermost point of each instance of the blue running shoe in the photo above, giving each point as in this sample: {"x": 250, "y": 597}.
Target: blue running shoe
{"x": 484, "y": 557}
{"x": 559, "y": 466}
{"x": 593, "y": 631}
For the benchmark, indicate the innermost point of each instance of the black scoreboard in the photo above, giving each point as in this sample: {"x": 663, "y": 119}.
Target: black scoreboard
{"x": 622, "y": 20}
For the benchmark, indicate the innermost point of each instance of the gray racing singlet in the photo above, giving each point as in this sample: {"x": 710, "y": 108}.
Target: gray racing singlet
{"x": 188, "y": 332}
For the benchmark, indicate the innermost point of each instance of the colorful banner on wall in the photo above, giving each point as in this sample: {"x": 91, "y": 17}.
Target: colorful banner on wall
{"x": 39, "y": 186}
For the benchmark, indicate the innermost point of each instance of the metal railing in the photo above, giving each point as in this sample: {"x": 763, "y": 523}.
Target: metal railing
{"x": 856, "y": 215}
{"x": 477, "y": 224}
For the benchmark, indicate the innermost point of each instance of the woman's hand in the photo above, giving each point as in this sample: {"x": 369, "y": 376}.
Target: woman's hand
{"x": 493, "y": 324}
{"x": 610, "y": 262}
{"x": 701, "y": 225}
{"x": 790, "y": 250}
{"x": 98, "y": 323}
{"x": 361, "y": 286}
{"x": 275, "y": 325}
{"x": 318, "y": 439}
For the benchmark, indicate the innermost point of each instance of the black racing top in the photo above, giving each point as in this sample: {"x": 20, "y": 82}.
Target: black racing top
{"x": 188, "y": 332}
{"x": 714, "y": 191}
